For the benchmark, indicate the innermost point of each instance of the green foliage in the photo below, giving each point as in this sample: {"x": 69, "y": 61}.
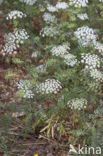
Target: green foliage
{"x": 36, "y": 59}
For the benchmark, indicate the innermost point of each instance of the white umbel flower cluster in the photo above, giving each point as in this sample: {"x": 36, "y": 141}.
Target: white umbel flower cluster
{"x": 29, "y": 2}
{"x": 13, "y": 41}
{"x": 77, "y": 104}
{"x": 49, "y": 31}
{"x": 63, "y": 52}
{"x": 96, "y": 75}
{"x": 49, "y": 18}
{"x": 94, "y": 86}
{"x": 70, "y": 59}
{"x": 82, "y": 16}
{"x": 90, "y": 60}
{"x": 25, "y": 86}
{"x": 60, "y": 50}
{"x": 49, "y": 86}
{"x": 99, "y": 47}
{"x": 15, "y": 14}
{"x": 20, "y": 36}
{"x": 86, "y": 36}
{"x": 51, "y": 8}
{"x": 79, "y": 3}
{"x": 61, "y": 5}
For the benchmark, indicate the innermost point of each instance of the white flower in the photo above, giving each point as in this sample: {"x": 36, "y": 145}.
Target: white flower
{"x": 86, "y": 36}
{"x": 96, "y": 75}
{"x": 60, "y": 50}
{"x": 49, "y": 86}
{"x": 13, "y": 41}
{"x": 70, "y": 59}
{"x": 99, "y": 47}
{"x": 9, "y": 48}
{"x": 15, "y": 14}
{"x": 61, "y": 5}
{"x": 35, "y": 54}
{"x": 94, "y": 86}
{"x": 82, "y": 16}
{"x": 77, "y": 104}
{"x": 79, "y": 3}
{"x": 90, "y": 60}
{"x": 49, "y": 31}
{"x": 63, "y": 52}
{"x": 29, "y": 2}
{"x": 26, "y": 87}
{"x": 51, "y": 8}
{"x": 49, "y": 18}
{"x": 21, "y": 35}
{"x": 100, "y": 0}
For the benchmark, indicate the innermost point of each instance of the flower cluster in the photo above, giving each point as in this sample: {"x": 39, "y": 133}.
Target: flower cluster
{"x": 99, "y": 47}
{"x": 70, "y": 59}
{"x": 77, "y": 104}
{"x": 60, "y": 50}
{"x": 49, "y": 18}
{"x": 13, "y": 41}
{"x": 29, "y": 2}
{"x": 49, "y": 31}
{"x": 26, "y": 87}
{"x": 51, "y": 8}
{"x": 49, "y": 86}
{"x": 82, "y": 16}
{"x": 96, "y": 75}
{"x": 86, "y": 36}
{"x": 98, "y": 112}
{"x": 20, "y": 36}
{"x": 61, "y": 5}
{"x": 94, "y": 86}
{"x": 100, "y": 0}
{"x": 79, "y": 3}
{"x": 15, "y": 14}
{"x": 90, "y": 60}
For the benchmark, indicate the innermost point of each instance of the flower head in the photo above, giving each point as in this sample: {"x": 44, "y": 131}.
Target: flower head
{"x": 79, "y": 3}
{"x": 90, "y": 60}
{"x": 61, "y": 5}
{"x": 49, "y": 18}
{"x": 49, "y": 31}
{"x": 77, "y": 104}
{"x": 29, "y": 2}
{"x": 86, "y": 36}
{"x": 15, "y": 14}
{"x": 51, "y": 8}
{"x": 82, "y": 16}
{"x": 13, "y": 41}
{"x": 26, "y": 87}
{"x": 49, "y": 86}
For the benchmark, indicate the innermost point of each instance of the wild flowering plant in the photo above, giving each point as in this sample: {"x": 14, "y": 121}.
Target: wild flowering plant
{"x": 75, "y": 46}
{"x": 13, "y": 41}
{"x": 64, "y": 54}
